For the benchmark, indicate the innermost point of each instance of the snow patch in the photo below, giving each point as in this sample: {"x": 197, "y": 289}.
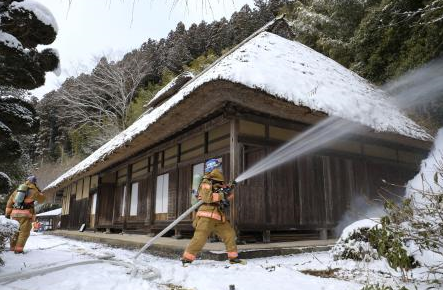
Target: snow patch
{"x": 40, "y": 11}
{"x": 349, "y": 230}
{"x": 10, "y": 40}
{"x": 423, "y": 190}
{"x": 430, "y": 177}
{"x": 7, "y": 226}
{"x": 169, "y": 86}
{"x": 354, "y": 242}
{"x": 19, "y": 111}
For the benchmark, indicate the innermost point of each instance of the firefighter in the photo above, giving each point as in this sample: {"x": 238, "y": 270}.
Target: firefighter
{"x": 210, "y": 217}
{"x": 20, "y": 207}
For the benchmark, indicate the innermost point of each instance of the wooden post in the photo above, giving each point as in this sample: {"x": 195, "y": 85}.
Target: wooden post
{"x": 127, "y": 196}
{"x": 323, "y": 234}
{"x": 266, "y": 236}
{"x": 234, "y": 154}
{"x": 99, "y": 182}
{"x": 97, "y": 204}
{"x": 115, "y": 194}
{"x": 153, "y": 188}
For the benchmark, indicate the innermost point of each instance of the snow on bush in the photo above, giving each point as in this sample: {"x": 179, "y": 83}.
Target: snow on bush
{"x": 7, "y": 229}
{"x": 368, "y": 240}
{"x": 430, "y": 178}
{"x": 354, "y": 242}
{"x": 419, "y": 219}
{"x": 410, "y": 234}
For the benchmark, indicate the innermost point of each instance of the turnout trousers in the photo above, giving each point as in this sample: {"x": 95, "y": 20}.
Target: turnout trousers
{"x": 18, "y": 241}
{"x": 204, "y": 226}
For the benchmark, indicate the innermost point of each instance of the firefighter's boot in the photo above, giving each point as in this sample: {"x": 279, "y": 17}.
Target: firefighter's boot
{"x": 237, "y": 261}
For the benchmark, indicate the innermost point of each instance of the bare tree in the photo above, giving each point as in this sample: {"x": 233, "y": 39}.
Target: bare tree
{"x": 102, "y": 99}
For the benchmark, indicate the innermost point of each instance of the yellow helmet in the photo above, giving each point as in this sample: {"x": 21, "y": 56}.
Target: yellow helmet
{"x": 216, "y": 174}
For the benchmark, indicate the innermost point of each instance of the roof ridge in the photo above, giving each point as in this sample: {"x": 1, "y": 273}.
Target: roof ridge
{"x": 247, "y": 39}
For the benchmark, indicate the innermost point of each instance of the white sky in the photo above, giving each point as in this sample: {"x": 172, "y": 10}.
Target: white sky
{"x": 89, "y": 29}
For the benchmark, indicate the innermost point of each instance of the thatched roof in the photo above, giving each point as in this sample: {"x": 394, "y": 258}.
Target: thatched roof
{"x": 170, "y": 89}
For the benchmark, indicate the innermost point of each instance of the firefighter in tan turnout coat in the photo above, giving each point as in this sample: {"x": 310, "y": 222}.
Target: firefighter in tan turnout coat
{"x": 20, "y": 207}
{"x": 210, "y": 217}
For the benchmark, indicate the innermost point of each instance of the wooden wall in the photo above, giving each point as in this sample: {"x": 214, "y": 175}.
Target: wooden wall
{"x": 105, "y": 203}
{"x": 78, "y": 214}
{"x": 312, "y": 192}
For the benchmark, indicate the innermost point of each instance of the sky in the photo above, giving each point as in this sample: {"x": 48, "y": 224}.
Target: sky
{"x": 88, "y": 29}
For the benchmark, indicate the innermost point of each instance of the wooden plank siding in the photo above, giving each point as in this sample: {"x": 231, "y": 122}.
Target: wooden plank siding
{"x": 184, "y": 189}
{"x": 105, "y": 202}
{"x": 311, "y": 192}
{"x": 172, "y": 194}
{"x": 78, "y": 214}
{"x": 117, "y": 206}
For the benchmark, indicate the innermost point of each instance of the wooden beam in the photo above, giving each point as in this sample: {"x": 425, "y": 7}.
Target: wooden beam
{"x": 266, "y": 236}
{"x": 115, "y": 193}
{"x": 234, "y": 164}
{"x": 153, "y": 189}
{"x": 97, "y": 204}
{"x": 127, "y": 195}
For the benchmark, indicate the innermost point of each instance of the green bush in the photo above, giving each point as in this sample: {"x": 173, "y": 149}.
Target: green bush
{"x": 355, "y": 246}
{"x": 391, "y": 246}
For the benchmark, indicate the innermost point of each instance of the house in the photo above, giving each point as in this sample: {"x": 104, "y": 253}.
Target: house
{"x": 50, "y": 220}
{"x": 259, "y": 95}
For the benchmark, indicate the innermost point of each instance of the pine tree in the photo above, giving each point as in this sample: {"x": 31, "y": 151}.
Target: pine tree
{"x": 219, "y": 36}
{"x": 178, "y": 53}
{"x": 18, "y": 119}
{"x": 22, "y": 65}
{"x": 241, "y": 25}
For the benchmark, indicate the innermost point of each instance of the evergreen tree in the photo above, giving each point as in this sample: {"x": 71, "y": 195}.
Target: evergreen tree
{"x": 21, "y": 64}
{"x": 241, "y": 25}
{"x": 197, "y": 36}
{"x": 178, "y": 52}
{"x": 18, "y": 119}
{"x": 219, "y": 36}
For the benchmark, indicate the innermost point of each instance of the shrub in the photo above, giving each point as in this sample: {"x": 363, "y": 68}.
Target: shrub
{"x": 391, "y": 245}
{"x": 7, "y": 229}
{"x": 354, "y": 242}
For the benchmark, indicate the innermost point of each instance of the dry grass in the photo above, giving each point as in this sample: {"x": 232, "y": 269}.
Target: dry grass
{"x": 327, "y": 273}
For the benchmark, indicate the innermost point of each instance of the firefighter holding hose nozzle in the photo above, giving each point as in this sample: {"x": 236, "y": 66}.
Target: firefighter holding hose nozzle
{"x": 210, "y": 217}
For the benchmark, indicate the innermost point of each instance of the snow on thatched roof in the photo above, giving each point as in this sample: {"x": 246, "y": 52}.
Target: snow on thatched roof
{"x": 171, "y": 88}
{"x": 53, "y": 212}
{"x": 287, "y": 70}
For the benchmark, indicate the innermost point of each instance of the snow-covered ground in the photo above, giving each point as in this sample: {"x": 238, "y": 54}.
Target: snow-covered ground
{"x": 265, "y": 273}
